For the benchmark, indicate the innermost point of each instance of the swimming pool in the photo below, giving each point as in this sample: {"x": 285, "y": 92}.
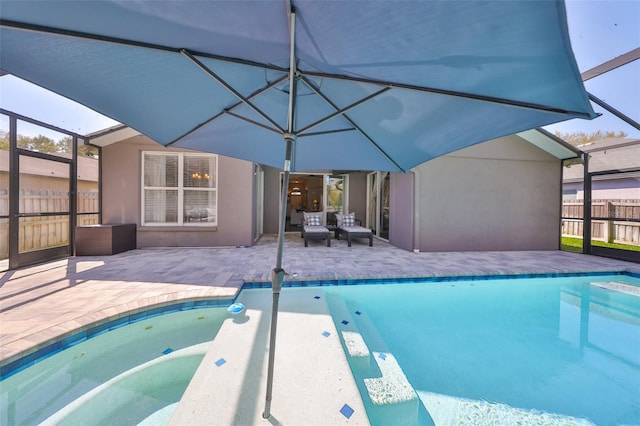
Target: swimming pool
{"x": 128, "y": 375}
{"x": 379, "y": 307}
{"x": 519, "y": 351}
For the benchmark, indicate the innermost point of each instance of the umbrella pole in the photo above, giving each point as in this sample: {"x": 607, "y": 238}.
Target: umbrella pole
{"x": 277, "y": 276}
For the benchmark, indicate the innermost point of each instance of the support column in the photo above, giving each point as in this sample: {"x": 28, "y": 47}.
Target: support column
{"x": 278, "y": 274}
{"x": 14, "y": 193}
{"x": 586, "y": 215}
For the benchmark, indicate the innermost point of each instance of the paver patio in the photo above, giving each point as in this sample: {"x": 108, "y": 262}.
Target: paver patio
{"x": 44, "y": 302}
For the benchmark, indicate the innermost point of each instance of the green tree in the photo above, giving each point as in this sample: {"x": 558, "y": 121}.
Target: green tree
{"x": 4, "y": 140}
{"x": 64, "y": 144}
{"x": 581, "y": 138}
{"x": 87, "y": 151}
{"x": 47, "y": 145}
{"x": 39, "y": 143}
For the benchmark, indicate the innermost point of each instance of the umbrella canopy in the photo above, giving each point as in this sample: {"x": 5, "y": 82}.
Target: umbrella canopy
{"x": 304, "y": 85}
{"x": 379, "y": 85}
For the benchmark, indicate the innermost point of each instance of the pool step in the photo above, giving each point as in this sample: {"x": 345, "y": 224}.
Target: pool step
{"x": 353, "y": 343}
{"x": 130, "y": 395}
{"x": 618, "y": 286}
{"x": 391, "y": 395}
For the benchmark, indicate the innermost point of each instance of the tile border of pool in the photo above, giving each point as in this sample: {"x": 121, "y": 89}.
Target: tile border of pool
{"x": 130, "y": 317}
{"x": 430, "y": 279}
{"x": 90, "y": 331}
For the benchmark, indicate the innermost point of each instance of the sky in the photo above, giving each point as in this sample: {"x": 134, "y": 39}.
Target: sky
{"x": 599, "y": 31}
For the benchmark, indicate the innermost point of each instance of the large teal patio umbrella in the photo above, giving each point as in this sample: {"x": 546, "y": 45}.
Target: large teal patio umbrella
{"x": 304, "y": 84}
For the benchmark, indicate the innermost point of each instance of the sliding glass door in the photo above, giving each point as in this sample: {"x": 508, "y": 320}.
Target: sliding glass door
{"x": 336, "y": 196}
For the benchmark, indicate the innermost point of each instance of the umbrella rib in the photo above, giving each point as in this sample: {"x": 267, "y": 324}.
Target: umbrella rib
{"x": 343, "y": 110}
{"x": 326, "y": 132}
{"x": 227, "y": 110}
{"x": 355, "y": 126}
{"x": 229, "y": 88}
{"x": 484, "y": 98}
{"x": 248, "y": 120}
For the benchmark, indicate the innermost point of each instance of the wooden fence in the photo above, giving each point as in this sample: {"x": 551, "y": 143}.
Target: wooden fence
{"x": 37, "y": 233}
{"x": 613, "y": 221}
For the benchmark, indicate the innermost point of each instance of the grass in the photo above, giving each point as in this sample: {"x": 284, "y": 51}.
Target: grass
{"x": 575, "y": 245}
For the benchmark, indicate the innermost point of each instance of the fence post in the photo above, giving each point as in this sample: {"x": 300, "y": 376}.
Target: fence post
{"x": 609, "y": 230}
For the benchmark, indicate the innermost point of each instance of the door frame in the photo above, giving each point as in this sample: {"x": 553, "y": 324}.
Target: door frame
{"x": 258, "y": 208}
{"x": 374, "y": 219}
{"x": 15, "y": 258}
{"x": 324, "y": 176}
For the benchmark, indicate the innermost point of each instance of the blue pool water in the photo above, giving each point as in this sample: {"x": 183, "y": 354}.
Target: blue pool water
{"x": 131, "y": 375}
{"x": 522, "y": 351}
{"x": 519, "y": 351}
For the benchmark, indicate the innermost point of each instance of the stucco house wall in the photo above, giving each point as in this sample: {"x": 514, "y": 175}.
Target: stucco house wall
{"x": 504, "y": 194}
{"x": 401, "y": 210}
{"x": 271, "y": 200}
{"x": 121, "y": 199}
{"x": 608, "y": 188}
{"x": 357, "y": 202}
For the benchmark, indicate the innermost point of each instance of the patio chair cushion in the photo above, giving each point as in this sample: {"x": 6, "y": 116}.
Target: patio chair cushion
{"x": 314, "y": 220}
{"x": 357, "y": 231}
{"x": 340, "y": 217}
{"x": 315, "y": 232}
{"x": 314, "y": 229}
{"x": 349, "y": 220}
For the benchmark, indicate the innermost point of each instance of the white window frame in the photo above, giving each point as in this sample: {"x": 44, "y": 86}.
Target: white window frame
{"x": 180, "y": 188}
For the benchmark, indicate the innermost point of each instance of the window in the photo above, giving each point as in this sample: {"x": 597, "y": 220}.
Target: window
{"x": 179, "y": 189}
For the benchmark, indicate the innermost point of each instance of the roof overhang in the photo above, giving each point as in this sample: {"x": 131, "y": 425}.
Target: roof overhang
{"x": 550, "y": 143}
{"x": 112, "y": 135}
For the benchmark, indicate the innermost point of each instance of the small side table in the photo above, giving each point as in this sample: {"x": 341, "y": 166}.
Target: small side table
{"x": 334, "y": 229}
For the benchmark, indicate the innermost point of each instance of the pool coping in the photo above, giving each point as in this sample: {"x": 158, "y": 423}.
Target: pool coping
{"x": 17, "y": 362}
{"x": 435, "y": 278}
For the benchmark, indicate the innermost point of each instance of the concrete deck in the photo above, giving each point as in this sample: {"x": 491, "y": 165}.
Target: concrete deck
{"x": 46, "y": 302}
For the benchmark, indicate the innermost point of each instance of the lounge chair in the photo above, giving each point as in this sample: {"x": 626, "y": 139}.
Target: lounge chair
{"x": 350, "y": 227}
{"x": 312, "y": 229}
